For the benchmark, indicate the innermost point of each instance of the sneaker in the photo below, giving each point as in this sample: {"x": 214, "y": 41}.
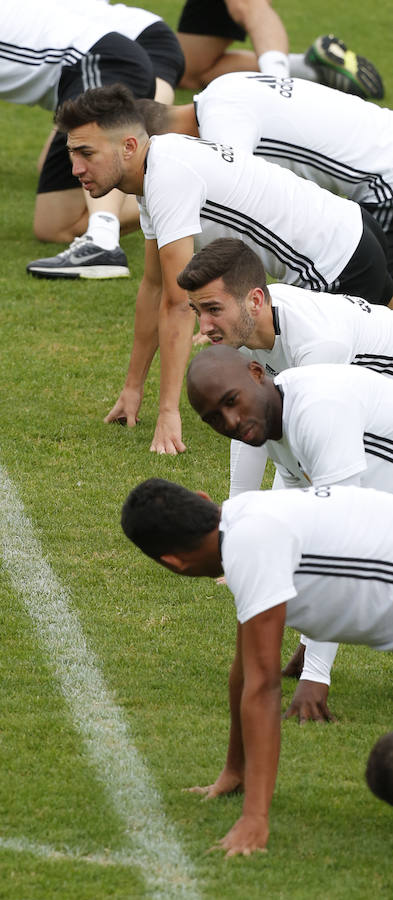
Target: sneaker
{"x": 82, "y": 259}
{"x": 343, "y": 69}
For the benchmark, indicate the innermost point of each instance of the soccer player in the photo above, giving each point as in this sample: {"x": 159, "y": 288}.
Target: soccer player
{"x": 191, "y": 190}
{"x": 321, "y": 424}
{"x": 51, "y": 51}
{"x": 284, "y": 326}
{"x": 319, "y": 559}
{"x": 208, "y": 27}
{"x": 338, "y": 141}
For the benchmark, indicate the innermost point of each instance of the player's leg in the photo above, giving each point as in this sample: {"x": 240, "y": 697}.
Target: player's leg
{"x": 113, "y": 58}
{"x": 205, "y": 31}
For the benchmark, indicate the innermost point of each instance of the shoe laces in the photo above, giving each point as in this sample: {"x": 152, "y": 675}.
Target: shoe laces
{"x": 77, "y": 242}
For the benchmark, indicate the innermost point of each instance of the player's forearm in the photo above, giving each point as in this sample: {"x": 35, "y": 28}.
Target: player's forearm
{"x": 318, "y": 660}
{"x": 246, "y": 467}
{"x": 235, "y": 755}
{"x": 145, "y": 335}
{"x": 176, "y": 325}
{"x": 260, "y": 718}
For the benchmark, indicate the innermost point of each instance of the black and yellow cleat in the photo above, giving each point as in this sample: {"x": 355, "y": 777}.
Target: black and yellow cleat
{"x": 343, "y": 69}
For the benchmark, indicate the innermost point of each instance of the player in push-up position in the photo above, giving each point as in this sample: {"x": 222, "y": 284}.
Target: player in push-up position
{"x": 321, "y": 424}
{"x": 191, "y": 191}
{"x": 319, "y": 559}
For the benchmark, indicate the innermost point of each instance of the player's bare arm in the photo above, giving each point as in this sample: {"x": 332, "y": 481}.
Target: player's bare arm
{"x": 231, "y": 777}
{"x": 145, "y": 340}
{"x": 261, "y": 639}
{"x": 176, "y": 325}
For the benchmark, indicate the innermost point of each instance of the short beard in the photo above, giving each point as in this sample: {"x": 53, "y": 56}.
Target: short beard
{"x": 243, "y": 329}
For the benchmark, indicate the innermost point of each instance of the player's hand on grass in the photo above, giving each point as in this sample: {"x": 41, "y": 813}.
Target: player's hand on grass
{"x": 248, "y": 834}
{"x": 125, "y": 411}
{"x": 167, "y": 436}
{"x": 226, "y": 783}
{"x": 294, "y": 667}
{"x": 310, "y": 703}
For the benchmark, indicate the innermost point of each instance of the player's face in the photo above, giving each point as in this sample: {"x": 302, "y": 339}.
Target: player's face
{"x": 221, "y": 318}
{"x": 95, "y": 159}
{"x": 237, "y": 405}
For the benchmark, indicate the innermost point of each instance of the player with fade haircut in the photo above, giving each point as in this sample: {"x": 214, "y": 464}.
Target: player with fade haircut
{"x": 191, "y": 191}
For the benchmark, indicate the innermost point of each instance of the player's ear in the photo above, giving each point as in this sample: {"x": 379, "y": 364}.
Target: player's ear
{"x": 130, "y": 145}
{"x": 255, "y": 300}
{"x": 204, "y": 495}
{"x": 256, "y": 371}
{"x": 172, "y": 562}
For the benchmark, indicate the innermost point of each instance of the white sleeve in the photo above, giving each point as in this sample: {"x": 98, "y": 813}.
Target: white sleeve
{"x": 259, "y": 567}
{"x": 318, "y": 660}
{"x": 247, "y": 466}
{"x": 174, "y": 199}
{"x": 312, "y": 435}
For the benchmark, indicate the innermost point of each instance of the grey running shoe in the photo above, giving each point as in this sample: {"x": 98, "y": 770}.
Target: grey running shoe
{"x": 82, "y": 259}
{"x": 343, "y": 69}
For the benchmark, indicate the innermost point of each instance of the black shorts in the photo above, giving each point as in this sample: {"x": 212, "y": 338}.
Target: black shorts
{"x": 209, "y": 17}
{"x": 114, "y": 58}
{"x": 366, "y": 275}
{"x": 384, "y": 216}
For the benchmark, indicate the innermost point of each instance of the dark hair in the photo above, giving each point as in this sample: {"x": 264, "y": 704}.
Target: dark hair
{"x": 111, "y": 106}
{"x": 379, "y": 771}
{"x": 162, "y": 517}
{"x": 155, "y": 115}
{"x": 227, "y": 258}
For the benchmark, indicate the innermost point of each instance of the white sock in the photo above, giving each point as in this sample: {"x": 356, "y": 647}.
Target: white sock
{"x": 104, "y": 229}
{"x": 274, "y": 62}
{"x": 298, "y": 68}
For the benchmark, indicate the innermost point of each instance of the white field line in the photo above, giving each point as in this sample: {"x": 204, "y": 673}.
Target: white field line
{"x": 148, "y": 837}
{"x": 46, "y": 851}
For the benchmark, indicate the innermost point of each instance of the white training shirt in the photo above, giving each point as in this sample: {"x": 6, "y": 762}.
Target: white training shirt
{"x": 319, "y": 328}
{"x": 341, "y": 142}
{"x": 39, "y": 37}
{"x": 326, "y": 552}
{"x": 303, "y": 234}
{"x": 337, "y": 424}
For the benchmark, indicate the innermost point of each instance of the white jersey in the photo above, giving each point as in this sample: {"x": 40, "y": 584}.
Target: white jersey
{"x": 339, "y": 141}
{"x": 303, "y": 234}
{"x": 337, "y": 423}
{"x": 315, "y": 328}
{"x": 326, "y": 552}
{"x": 39, "y": 37}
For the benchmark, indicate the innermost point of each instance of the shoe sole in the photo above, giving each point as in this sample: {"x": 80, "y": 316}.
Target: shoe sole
{"x": 320, "y": 59}
{"x": 94, "y": 272}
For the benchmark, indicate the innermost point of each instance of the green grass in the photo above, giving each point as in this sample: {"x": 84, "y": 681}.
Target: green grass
{"x": 164, "y": 644}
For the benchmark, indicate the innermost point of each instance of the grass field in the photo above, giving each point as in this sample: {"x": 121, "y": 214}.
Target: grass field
{"x": 113, "y": 672}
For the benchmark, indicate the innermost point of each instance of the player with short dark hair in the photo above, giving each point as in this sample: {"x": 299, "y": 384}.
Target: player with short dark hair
{"x": 320, "y": 560}
{"x": 51, "y": 51}
{"x": 190, "y": 191}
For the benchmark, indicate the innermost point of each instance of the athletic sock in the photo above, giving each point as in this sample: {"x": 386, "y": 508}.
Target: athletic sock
{"x": 104, "y": 229}
{"x": 274, "y": 62}
{"x": 298, "y": 68}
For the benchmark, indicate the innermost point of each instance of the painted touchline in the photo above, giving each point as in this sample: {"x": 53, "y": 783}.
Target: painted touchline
{"x": 149, "y": 837}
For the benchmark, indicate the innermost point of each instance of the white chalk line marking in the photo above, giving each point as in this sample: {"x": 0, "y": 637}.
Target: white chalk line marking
{"x": 150, "y": 838}
{"x": 46, "y": 851}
